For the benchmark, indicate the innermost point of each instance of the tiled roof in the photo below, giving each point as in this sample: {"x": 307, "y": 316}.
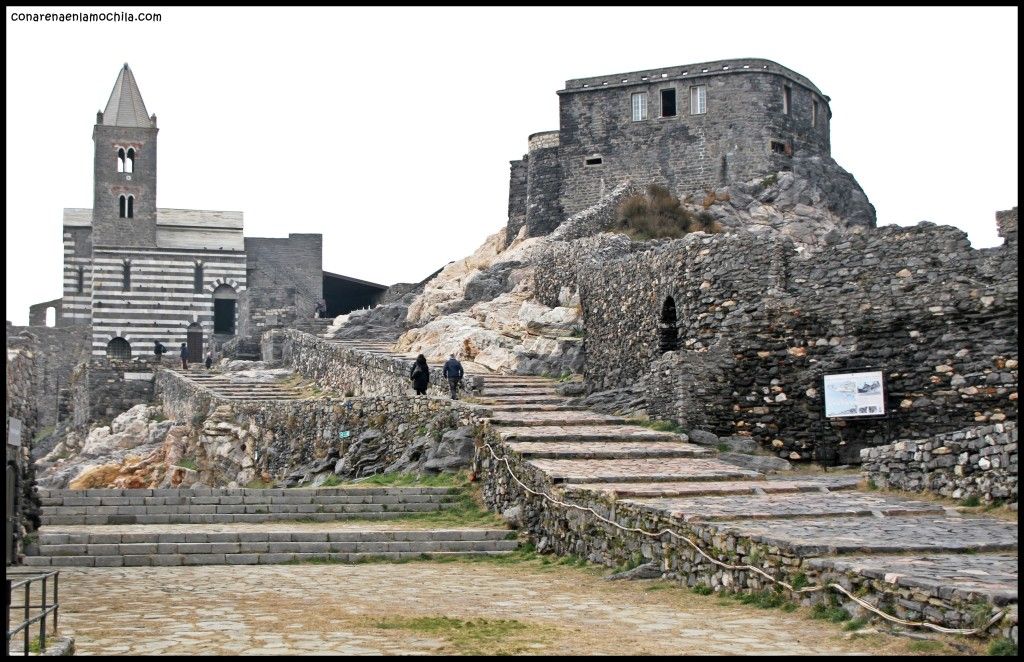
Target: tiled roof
{"x": 125, "y": 107}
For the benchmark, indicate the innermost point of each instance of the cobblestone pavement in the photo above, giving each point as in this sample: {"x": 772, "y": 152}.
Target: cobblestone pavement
{"x": 332, "y": 610}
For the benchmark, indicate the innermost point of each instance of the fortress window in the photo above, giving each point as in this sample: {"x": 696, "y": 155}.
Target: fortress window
{"x": 668, "y": 330}
{"x": 698, "y": 99}
{"x": 782, "y": 148}
{"x": 120, "y": 160}
{"x": 787, "y": 99}
{"x": 668, "y": 103}
{"x": 131, "y": 207}
{"x": 814, "y": 113}
{"x": 197, "y": 284}
{"x": 126, "y": 275}
{"x": 639, "y": 106}
{"x": 594, "y": 160}
{"x": 81, "y": 279}
{"x": 129, "y": 161}
{"x": 122, "y": 206}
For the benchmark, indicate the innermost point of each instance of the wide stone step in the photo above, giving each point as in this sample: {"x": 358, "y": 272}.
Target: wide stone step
{"x": 256, "y": 558}
{"x": 596, "y": 450}
{"x": 584, "y": 433}
{"x": 354, "y": 490}
{"x": 776, "y": 506}
{"x": 526, "y": 390}
{"x": 624, "y": 471}
{"x": 542, "y": 418}
{"x": 873, "y": 535}
{"x": 238, "y": 509}
{"x": 967, "y": 577}
{"x": 253, "y": 500}
{"x": 283, "y": 535}
{"x": 709, "y": 488}
{"x": 521, "y": 400}
{"x": 224, "y": 518}
{"x": 516, "y": 408}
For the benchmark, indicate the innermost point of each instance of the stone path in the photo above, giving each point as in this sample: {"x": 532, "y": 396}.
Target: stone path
{"x": 822, "y": 519}
{"x": 221, "y": 385}
{"x": 336, "y": 609}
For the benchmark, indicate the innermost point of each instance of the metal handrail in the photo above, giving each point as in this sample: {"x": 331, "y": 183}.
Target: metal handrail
{"x": 46, "y": 608}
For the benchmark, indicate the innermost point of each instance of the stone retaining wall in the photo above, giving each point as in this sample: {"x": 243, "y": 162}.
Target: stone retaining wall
{"x": 975, "y": 462}
{"x": 938, "y": 317}
{"x": 569, "y": 531}
{"x": 244, "y": 440}
{"x": 355, "y": 372}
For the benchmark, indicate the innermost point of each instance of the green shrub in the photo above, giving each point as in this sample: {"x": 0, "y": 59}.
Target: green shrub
{"x": 763, "y": 599}
{"x": 855, "y": 624}
{"x": 1002, "y": 646}
{"x": 800, "y": 581}
{"x": 703, "y": 589}
{"x": 829, "y": 613}
{"x": 188, "y": 463}
{"x": 770, "y": 180}
{"x": 971, "y": 502}
{"x": 659, "y": 214}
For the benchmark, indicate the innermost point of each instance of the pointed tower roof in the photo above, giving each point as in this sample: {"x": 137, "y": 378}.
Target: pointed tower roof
{"x": 125, "y": 107}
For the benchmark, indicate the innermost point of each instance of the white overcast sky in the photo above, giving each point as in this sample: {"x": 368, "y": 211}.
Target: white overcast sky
{"x": 389, "y": 130}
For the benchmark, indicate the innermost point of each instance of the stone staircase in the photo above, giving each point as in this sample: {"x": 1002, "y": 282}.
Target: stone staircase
{"x": 919, "y": 552}
{"x": 222, "y": 385}
{"x": 161, "y": 527}
{"x": 315, "y": 326}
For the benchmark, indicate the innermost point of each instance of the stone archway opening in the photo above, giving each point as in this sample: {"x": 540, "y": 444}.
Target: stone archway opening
{"x": 119, "y": 348}
{"x": 224, "y": 299}
{"x": 668, "y": 327}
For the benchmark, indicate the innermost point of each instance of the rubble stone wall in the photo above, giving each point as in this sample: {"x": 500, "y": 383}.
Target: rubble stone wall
{"x": 979, "y": 461}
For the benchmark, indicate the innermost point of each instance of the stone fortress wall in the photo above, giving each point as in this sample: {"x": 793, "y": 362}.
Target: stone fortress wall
{"x": 754, "y": 117}
{"x": 759, "y": 324}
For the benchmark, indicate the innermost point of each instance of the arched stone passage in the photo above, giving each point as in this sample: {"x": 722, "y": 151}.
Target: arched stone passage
{"x": 668, "y": 329}
{"x": 118, "y": 348}
{"x": 224, "y": 309}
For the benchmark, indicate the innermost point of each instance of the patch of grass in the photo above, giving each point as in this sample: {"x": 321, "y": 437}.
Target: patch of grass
{"x": 722, "y": 447}
{"x": 660, "y": 586}
{"x": 871, "y": 484}
{"x": 703, "y": 589}
{"x": 34, "y": 646}
{"x": 829, "y": 613}
{"x": 769, "y": 181}
{"x": 332, "y": 481}
{"x": 787, "y": 607}
{"x": 855, "y": 624}
{"x": 925, "y": 646}
{"x": 980, "y": 613}
{"x": 763, "y": 599}
{"x": 188, "y": 463}
{"x": 578, "y": 331}
{"x": 459, "y": 479}
{"x": 659, "y": 214}
{"x": 43, "y": 433}
{"x": 1002, "y": 646}
{"x": 259, "y": 484}
{"x": 971, "y": 502}
{"x": 800, "y": 581}
{"x": 479, "y": 636}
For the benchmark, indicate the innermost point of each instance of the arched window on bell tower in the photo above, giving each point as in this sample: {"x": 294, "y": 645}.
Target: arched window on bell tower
{"x": 129, "y": 161}
{"x": 131, "y": 206}
{"x": 120, "y": 159}
{"x": 122, "y": 206}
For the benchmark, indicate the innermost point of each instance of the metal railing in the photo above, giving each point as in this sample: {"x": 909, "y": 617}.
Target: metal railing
{"x": 45, "y": 606}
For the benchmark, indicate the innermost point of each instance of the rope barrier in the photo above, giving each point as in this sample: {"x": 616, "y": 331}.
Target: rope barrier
{"x": 809, "y": 589}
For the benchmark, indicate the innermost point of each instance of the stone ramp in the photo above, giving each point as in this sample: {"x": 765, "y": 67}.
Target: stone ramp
{"x": 221, "y": 385}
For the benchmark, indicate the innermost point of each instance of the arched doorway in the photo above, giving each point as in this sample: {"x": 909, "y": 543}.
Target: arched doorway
{"x": 195, "y": 342}
{"x": 668, "y": 331}
{"x": 224, "y": 310}
{"x": 118, "y": 348}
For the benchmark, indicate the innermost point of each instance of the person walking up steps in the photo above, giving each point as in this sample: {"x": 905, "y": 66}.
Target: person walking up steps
{"x": 420, "y": 375}
{"x": 184, "y": 356}
{"x": 453, "y": 372}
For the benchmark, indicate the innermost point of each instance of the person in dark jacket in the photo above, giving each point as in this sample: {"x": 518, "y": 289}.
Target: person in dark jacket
{"x": 420, "y": 375}
{"x": 209, "y": 359}
{"x": 453, "y": 372}
{"x": 159, "y": 350}
{"x": 184, "y": 356}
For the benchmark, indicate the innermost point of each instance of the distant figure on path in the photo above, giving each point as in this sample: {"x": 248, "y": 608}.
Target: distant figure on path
{"x": 159, "y": 350}
{"x": 453, "y": 372}
{"x": 420, "y": 375}
{"x": 209, "y": 359}
{"x": 184, "y": 357}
